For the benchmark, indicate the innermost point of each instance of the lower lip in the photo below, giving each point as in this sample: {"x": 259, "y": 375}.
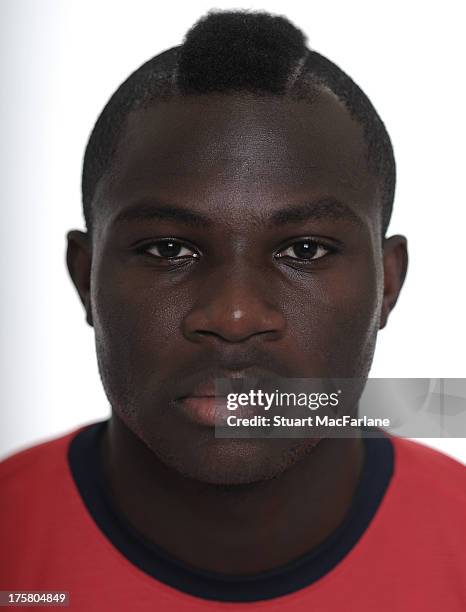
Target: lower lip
{"x": 208, "y": 411}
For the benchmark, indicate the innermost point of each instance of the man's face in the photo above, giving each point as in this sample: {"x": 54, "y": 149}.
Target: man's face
{"x": 274, "y": 266}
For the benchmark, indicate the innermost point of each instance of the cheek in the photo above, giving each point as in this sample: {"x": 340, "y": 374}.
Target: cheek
{"x": 335, "y": 320}
{"x": 136, "y": 327}
{"x": 136, "y": 323}
{"x": 356, "y": 315}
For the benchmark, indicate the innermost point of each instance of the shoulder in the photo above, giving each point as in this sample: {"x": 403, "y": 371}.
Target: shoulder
{"x": 418, "y": 457}
{"x": 428, "y": 476}
{"x": 36, "y": 463}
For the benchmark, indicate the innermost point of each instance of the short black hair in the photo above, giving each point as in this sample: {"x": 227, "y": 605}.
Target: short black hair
{"x": 234, "y": 52}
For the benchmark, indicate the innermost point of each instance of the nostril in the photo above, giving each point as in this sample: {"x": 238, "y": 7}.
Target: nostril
{"x": 236, "y": 338}
{"x": 201, "y": 332}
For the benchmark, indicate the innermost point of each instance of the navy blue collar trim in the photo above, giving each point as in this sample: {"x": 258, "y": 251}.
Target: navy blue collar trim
{"x": 85, "y": 464}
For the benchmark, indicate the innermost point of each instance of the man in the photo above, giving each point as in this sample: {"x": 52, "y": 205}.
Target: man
{"x": 237, "y": 191}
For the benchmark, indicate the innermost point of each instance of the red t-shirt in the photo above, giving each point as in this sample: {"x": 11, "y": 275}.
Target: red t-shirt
{"x": 402, "y": 546}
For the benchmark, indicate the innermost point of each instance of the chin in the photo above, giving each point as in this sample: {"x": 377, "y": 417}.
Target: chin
{"x": 233, "y": 462}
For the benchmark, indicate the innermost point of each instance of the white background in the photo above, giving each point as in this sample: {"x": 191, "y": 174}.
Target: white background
{"x": 60, "y": 62}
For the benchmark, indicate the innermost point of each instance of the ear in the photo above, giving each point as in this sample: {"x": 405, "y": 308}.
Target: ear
{"x": 78, "y": 260}
{"x": 395, "y": 266}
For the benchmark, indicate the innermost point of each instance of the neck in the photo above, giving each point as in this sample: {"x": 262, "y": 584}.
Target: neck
{"x": 239, "y": 529}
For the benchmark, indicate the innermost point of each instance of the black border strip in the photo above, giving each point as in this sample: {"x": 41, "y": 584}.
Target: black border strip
{"x": 85, "y": 465}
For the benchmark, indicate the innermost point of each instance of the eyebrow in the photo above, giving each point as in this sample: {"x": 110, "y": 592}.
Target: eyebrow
{"x": 323, "y": 208}
{"x": 148, "y": 211}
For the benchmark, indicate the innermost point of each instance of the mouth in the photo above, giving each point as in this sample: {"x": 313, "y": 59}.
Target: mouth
{"x": 206, "y": 403}
{"x": 206, "y": 410}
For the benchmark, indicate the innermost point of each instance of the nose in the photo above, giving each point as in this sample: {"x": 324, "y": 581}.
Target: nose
{"x": 234, "y": 308}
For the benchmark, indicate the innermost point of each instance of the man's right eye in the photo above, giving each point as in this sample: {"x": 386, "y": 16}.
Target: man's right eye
{"x": 170, "y": 248}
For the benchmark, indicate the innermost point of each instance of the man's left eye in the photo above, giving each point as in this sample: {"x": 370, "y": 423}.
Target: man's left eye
{"x": 171, "y": 249}
{"x": 305, "y": 250}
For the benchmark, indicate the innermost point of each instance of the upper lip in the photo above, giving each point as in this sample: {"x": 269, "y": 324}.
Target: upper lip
{"x": 208, "y": 388}
{"x": 204, "y": 389}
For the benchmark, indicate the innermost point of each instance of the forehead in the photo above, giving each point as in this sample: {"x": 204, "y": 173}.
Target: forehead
{"x": 242, "y": 154}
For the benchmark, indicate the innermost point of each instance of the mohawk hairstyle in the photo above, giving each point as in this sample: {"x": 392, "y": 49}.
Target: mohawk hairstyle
{"x": 234, "y": 52}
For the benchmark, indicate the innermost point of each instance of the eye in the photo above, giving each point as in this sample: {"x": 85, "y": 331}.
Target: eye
{"x": 170, "y": 248}
{"x": 305, "y": 250}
